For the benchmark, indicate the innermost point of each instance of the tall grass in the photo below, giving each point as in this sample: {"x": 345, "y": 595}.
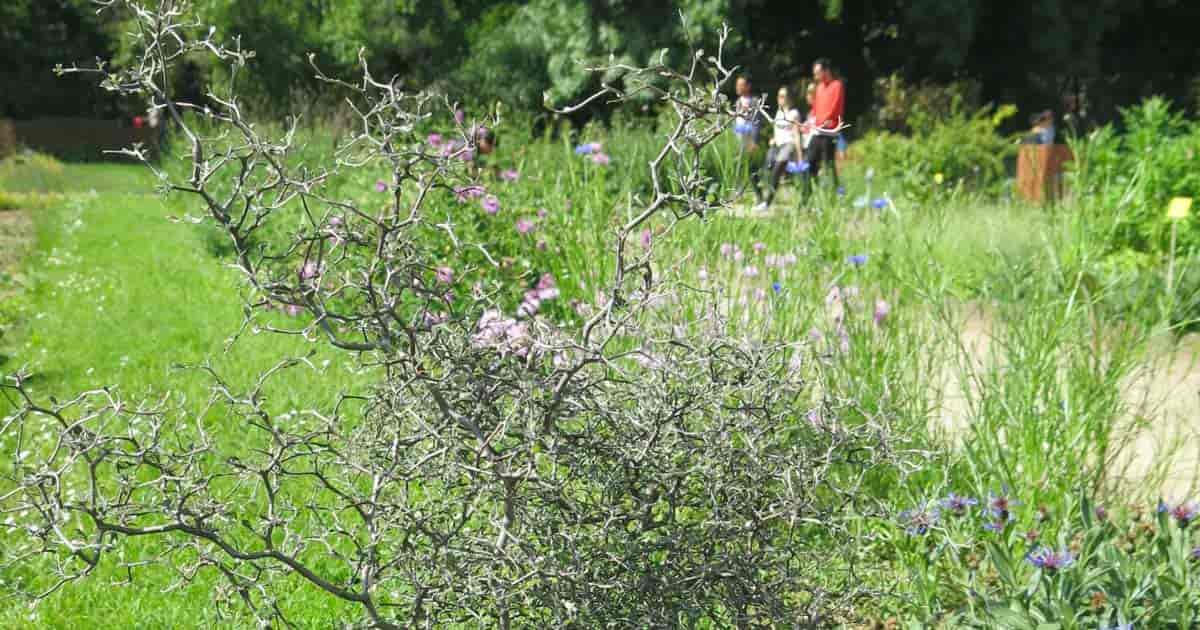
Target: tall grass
{"x": 120, "y": 295}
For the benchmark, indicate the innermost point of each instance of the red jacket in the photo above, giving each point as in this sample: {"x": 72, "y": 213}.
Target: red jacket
{"x": 829, "y": 104}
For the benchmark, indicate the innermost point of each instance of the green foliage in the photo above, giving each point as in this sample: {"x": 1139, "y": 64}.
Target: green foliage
{"x": 1131, "y": 176}
{"x": 965, "y": 148}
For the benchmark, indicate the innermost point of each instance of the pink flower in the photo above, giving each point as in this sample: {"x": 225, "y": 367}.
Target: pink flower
{"x": 548, "y": 294}
{"x": 759, "y": 247}
{"x": 435, "y": 140}
{"x": 737, "y": 255}
{"x": 647, "y": 238}
{"x": 546, "y": 281}
{"x": 293, "y": 310}
{"x": 760, "y": 294}
{"x": 727, "y": 249}
{"x": 459, "y": 116}
{"x": 542, "y": 214}
{"x": 381, "y": 186}
{"x": 510, "y": 175}
{"x": 309, "y": 271}
{"x": 524, "y": 226}
{"x": 882, "y": 310}
{"x": 601, "y": 159}
{"x": 445, "y": 275}
{"x": 750, "y": 271}
{"x": 491, "y": 204}
{"x": 464, "y": 193}
{"x": 335, "y": 221}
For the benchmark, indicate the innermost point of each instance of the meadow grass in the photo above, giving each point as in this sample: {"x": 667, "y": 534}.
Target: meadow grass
{"x": 118, "y": 294}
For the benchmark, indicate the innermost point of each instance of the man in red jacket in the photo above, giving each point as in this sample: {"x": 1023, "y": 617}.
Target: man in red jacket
{"x": 828, "y": 108}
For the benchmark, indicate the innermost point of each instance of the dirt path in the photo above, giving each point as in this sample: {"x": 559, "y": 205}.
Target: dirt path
{"x": 1163, "y": 392}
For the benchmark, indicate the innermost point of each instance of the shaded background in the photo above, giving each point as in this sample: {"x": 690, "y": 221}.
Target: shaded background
{"x": 1109, "y": 53}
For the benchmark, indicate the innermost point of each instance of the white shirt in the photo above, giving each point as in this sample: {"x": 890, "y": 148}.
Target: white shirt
{"x": 784, "y": 123}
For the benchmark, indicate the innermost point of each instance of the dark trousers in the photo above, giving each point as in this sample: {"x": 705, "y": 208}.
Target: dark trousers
{"x": 821, "y": 152}
{"x": 774, "y": 168}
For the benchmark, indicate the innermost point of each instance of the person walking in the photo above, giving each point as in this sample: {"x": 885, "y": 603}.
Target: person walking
{"x": 746, "y": 116}
{"x": 829, "y": 106}
{"x": 783, "y": 148}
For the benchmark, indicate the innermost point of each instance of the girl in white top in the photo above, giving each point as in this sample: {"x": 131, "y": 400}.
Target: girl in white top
{"x": 785, "y": 147}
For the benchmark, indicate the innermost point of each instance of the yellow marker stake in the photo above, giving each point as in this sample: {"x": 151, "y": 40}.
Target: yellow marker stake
{"x": 1179, "y": 208}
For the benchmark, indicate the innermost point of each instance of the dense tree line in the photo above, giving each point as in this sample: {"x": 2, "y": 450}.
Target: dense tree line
{"x": 1033, "y": 54}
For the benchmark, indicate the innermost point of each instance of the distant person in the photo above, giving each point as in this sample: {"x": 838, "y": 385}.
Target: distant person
{"x": 808, "y": 129}
{"x": 784, "y": 147}
{"x": 829, "y": 106}
{"x": 746, "y": 119}
{"x": 1043, "y": 129}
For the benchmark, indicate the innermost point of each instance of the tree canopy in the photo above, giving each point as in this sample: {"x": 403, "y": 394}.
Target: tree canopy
{"x": 1031, "y": 54}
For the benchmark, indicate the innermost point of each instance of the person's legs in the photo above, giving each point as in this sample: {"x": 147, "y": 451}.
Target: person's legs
{"x": 821, "y": 151}
{"x": 768, "y": 167}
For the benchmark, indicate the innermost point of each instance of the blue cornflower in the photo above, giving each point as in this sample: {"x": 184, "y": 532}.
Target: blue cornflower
{"x": 1049, "y": 560}
{"x": 1196, "y": 554}
{"x": 841, "y": 191}
{"x": 587, "y": 148}
{"x": 958, "y": 504}
{"x": 918, "y": 522}
{"x": 857, "y": 260}
{"x": 797, "y": 167}
{"x": 880, "y": 203}
{"x": 778, "y": 287}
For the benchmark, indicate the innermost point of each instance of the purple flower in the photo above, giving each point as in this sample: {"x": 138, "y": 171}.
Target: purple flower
{"x": 1101, "y": 513}
{"x": 918, "y": 522}
{"x": 1049, "y": 560}
{"x": 542, "y": 214}
{"x": 841, "y": 191}
{"x": 510, "y": 175}
{"x": 750, "y": 271}
{"x": 760, "y": 294}
{"x": 995, "y": 526}
{"x": 433, "y": 319}
{"x": 445, "y": 275}
{"x": 1000, "y": 506}
{"x": 759, "y": 247}
{"x": 601, "y": 159}
{"x": 1196, "y": 553}
{"x": 381, "y": 186}
{"x": 434, "y": 140}
{"x": 293, "y": 310}
{"x": 797, "y": 167}
{"x": 540, "y": 245}
{"x": 1185, "y": 513}
{"x": 524, "y": 226}
{"x": 587, "y": 148}
{"x": 776, "y": 287}
{"x": 546, "y": 281}
{"x": 459, "y": 116}
{"x": 727, "y": 249}
{"x": 309, "y": 270}
{"x": 882, "y": 310}
{"x": 491, "y": 204}
{"x": 335, "y": 221}
{"x": 464, "y": 193}
{"x": 857, "y": 260}
{"x": 958, "y": 504}
{"x": 880, "y": 203}
{"x": 647, "y": 238}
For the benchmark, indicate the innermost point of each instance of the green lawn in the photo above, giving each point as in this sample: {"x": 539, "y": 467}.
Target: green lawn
{"x": 116, "y": 295}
